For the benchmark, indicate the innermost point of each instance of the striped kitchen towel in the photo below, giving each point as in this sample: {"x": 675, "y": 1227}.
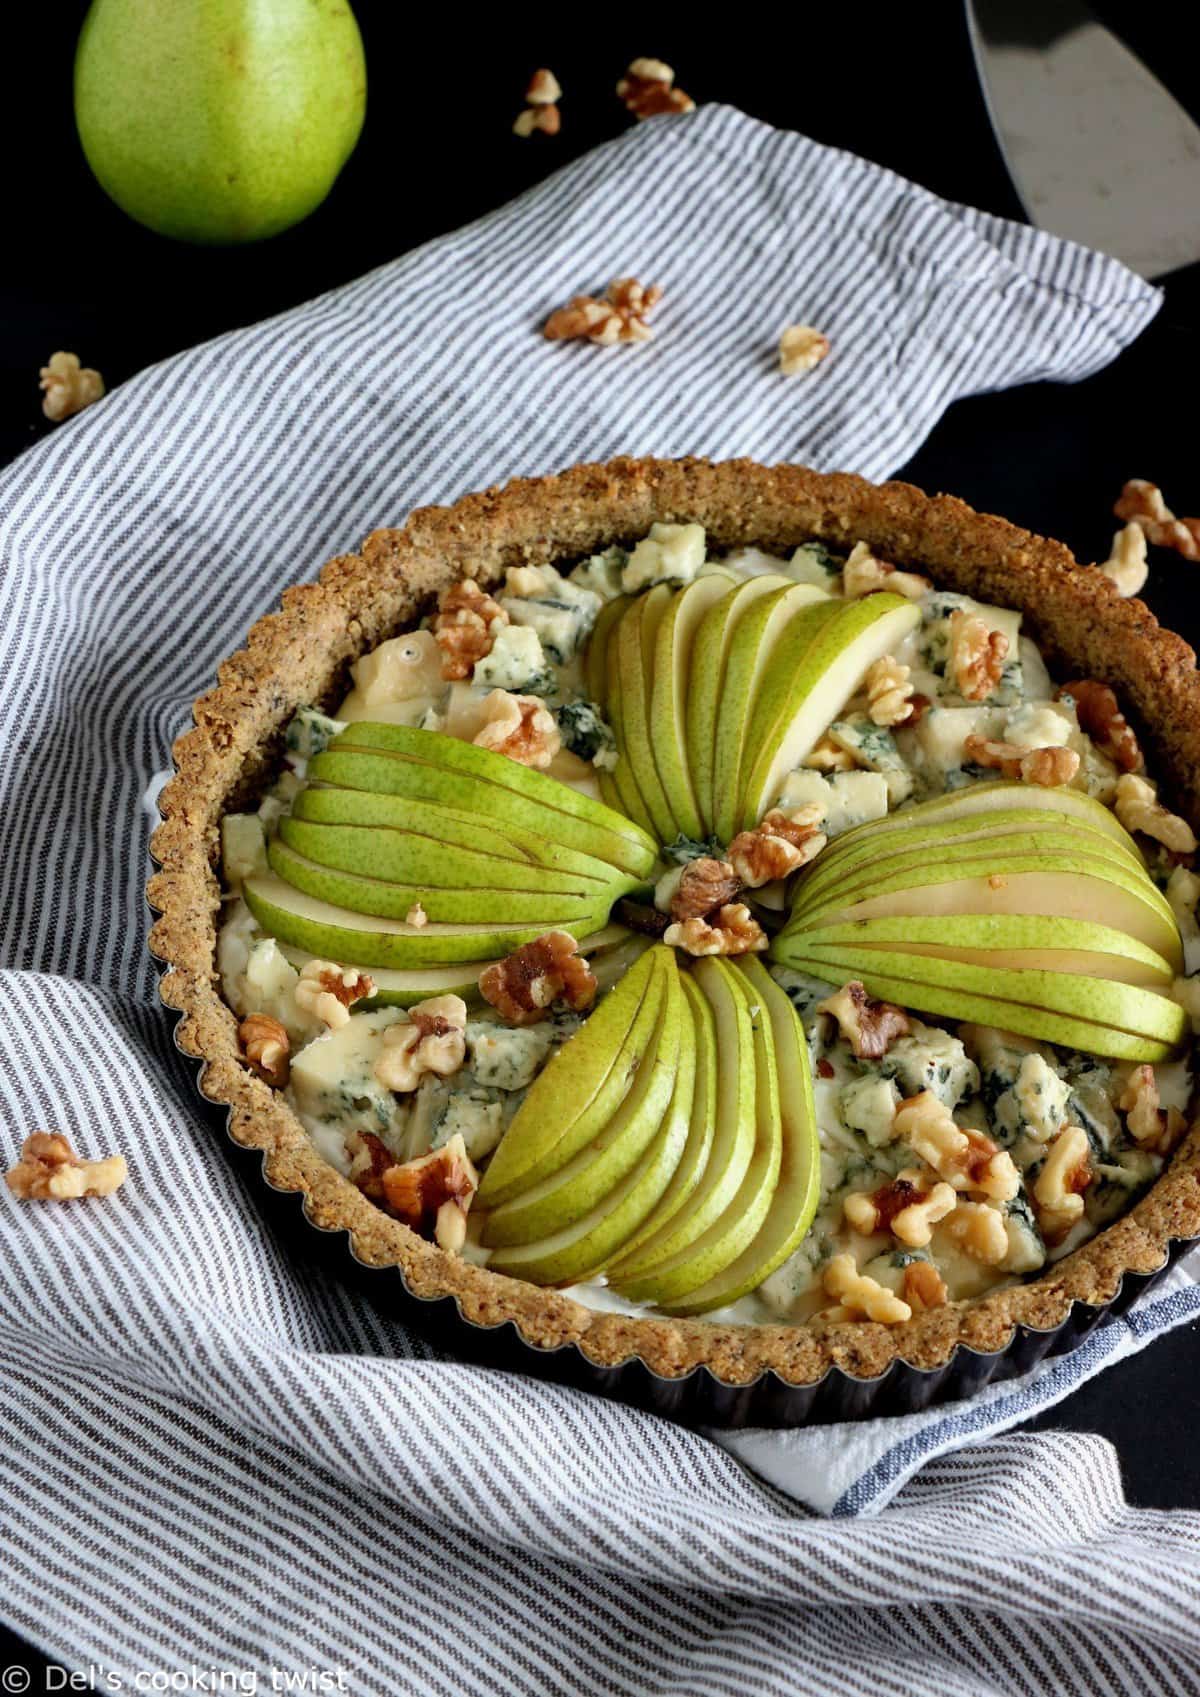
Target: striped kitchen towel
{"x": 218, "y": 1463}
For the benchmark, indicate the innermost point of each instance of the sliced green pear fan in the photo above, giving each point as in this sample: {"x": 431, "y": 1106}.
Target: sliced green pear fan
{"x": 799, "y": 1187}
{"x": 1002, "y": 795}
{"x": 331, "y": 932}
{"x": 579, "y": 1250}
{"x": 725, "y": 1240}
{"x": 669, "y": 687}
{"x": 582, "y": 1184}
{"x": 816, "y": 670}
{"x": 581, "y": 1086}
{"x": 734, "y": 1126}
{"x": 751, "y": 654}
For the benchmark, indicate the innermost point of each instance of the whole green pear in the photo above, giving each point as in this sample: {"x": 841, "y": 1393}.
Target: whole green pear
{"x": 219, "y": 120}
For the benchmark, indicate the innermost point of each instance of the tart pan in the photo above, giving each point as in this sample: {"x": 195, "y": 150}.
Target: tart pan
{"x": 695, "y": 1371}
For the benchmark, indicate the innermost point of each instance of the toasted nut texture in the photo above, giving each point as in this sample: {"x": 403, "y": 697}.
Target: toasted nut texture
{"x": 889, "y": 691}
{"x": 861, "y": 1297}
{"x": 546, "y": 120}
{"x": 264, "y": 1042}
{"x": 544, "y": 88}
{"x": 620, "y": 317}
{"x": 1150, "y": 1125}
{"x": 923, "y": 1287}
{"x": 434, "y": 1193}
{"x": 524, "y": 985}
{"x": 1100, "y": 717}
{"x": 829, "y": 756}
{"x": 49, "y": 1170}
{"x": 977, "y": 656}
{"x": 801, "y": 349}
{"x": 966, "y": 1159}
{"x": 521, "y": 727}
{"x": 701, "y": 886}
{"x": 67, "y": 387}
{"x": 370, "y": 1161}
{"x": 1126, "y": 564}
{"x": 864, "y": 574}
{"x": 648, "y": 90}
{"x": 431, "y": 1039}
{"x": 1049, "y": 768}
{"x": 979, "y": 1231}
{"x": 782, "y": 844}
{"x": 732, "y": 930}
{"x": 907, "y": 1205}
{"x": 1066, "y": 1173}
{"x": 870, "y": 1027}
{"x": 465, "y": 627}
{"x": 1138, "y": 808}
{"x": 328, "y": 991}
{"x": 1142, "y": 503}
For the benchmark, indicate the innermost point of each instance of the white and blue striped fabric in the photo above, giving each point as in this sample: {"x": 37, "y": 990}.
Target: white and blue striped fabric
{"x": 217, "y": 1462}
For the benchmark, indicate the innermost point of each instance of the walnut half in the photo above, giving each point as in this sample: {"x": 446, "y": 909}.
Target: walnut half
{"x": 870, "y": 1027}
{"x": 49, "y": 1170}
{"x": 433, "y": 1193}
{"x": 523, "y": 985}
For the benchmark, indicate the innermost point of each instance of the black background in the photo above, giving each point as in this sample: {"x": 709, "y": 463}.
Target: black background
{"x": 895, "y": 84}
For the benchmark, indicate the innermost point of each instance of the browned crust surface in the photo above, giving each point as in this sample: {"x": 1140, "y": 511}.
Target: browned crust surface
{"x": 300, "y": 655}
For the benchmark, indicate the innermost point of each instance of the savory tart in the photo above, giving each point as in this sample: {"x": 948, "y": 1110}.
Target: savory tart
{"x": 710, "y": 913}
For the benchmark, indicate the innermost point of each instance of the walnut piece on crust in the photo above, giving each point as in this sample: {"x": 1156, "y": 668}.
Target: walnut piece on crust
{"x": 523, "y": 986}
{"x": 1126, "y": 564}
{"x": 431, "y": 1039}
{"x": 703, "y": 885}
{"x": 265, "y": 1045}
{"x": 965, "y": 1158}
{"x": 433, "y": 1194}
{"x": 782, "y": 844}
{"x": 860, "y": 1297}
{"x": 889, "y": 692}
{"x": 1100, "y": 717}
{"x": 1058, "y": 1190}
{"x": 519, "y": 726}
{"x": 49, "y": 1170}
{"x": 1049, "y": 768}
{"x": 1142, "y": 503}
{"x": 648, "y": 90}
{"x": 1150, "y": 1126}
{"x": 1137, "y": 806}
{"x": 923, "y": 1287}
{"x": 731, "y": 930}
{"x": 465, "y": 627}
{"x": 801, "y": 349}
{"x": 977, "y": 656}
{"x": 620, "y": 317}
{"x": 67, "y": 387}
{"x": 870, "y": 1027}
{"x": 328, "y": 991}
{"x": 865, "y": 573}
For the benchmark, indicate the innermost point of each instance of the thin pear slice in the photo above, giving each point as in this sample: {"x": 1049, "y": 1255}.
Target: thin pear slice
{"x": 1051, "y": 1007}
{"x": 694, "y": 1158}
{"x": 798, "y": 1190}
{"x": 404, "y": 857}
{"x": 734, "y": 1133}
{"x": 752, "y": 647}
{"x": 634, "y": 641}
{"x": 580, "y": 820}
{"x": 397, "y": 989}
{"x": 582, "y": 1184}
{"x": 1002, "y": 796}
{"x": 337, "y": 933}
{"x": 322, "y": 804}
{"x": 628, "y": 791}
{"x": 453, "y": 905}
{"x": 1008, "y": 940}
{"x": 581, "y": 1086}
{"x": 735, "y": 1229}
{"x": 705, "y": 698}
{"x": 809, "y": 684}
{"x": 1077, "y": 888}
{"x": 579, "y": 1251}
{"x": 595, "y": 677}
{"x": 671, "y": 676}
